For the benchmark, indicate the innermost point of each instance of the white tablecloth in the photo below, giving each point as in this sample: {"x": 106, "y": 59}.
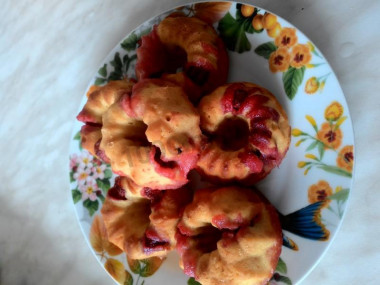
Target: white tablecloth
{"x": 49, "y": 50}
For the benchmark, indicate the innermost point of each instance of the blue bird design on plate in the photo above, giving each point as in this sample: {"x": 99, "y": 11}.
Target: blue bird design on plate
{"x": 305, "y": 222}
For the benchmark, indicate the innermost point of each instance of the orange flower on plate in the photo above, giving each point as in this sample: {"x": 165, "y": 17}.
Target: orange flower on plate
{"x": 312, "y": 85}
{"x": 279, "y": 60}
{"x": 345, "y": 158}
{"x": 319, "y": 192}
{"x": 300, "y": 56}
{"x": 286, "y": 38}
{"x": 334, "y": 111}
{"x": 330, "y": 136}
{"x": 211, "y": 12}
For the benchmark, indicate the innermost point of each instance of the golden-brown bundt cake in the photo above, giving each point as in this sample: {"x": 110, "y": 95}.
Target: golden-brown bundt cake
{"x": 100, "y": 98}
{"x": 153, "y": 135}
{"x": 143, "y": 227}
{"x": 188, "y": 43}
{"x": 248, "y": 133}
{"x": 229, "y": 235}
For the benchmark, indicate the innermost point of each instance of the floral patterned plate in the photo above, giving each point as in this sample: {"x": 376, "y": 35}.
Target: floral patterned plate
{"x": 310, "y": 188}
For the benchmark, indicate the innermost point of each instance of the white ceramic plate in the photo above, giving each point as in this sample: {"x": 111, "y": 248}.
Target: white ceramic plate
{"x": 318, "y": 166}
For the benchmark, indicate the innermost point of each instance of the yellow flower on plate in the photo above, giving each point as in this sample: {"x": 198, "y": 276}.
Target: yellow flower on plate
{"x": 301, "y": 164}
{"x": 310, "y": 65}
{"x": 300, "y": 55}
{"x": 319, "y": 192}
{"x": 299, "y": 142}
{"x": 338, "y": 189}
{"x": 312, "y": 85}
{"x": 311, "y": 120}
{"x": 279, "y": 60}
{"x": 340, "y": 121}
{"x": 296, "y": 132}
{"x": 311, "y": 156}
{"x": 334, "y": 111}
{"x": 311, "y": 46}
{"x": 287, "y": 38}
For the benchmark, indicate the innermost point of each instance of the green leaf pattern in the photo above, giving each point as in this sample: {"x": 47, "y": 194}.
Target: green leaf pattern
{"x": 84, "y": 171}
{"x": 266, "y": 49}
{"x": 281, "y": 266}
{"x": 192, "y": 281}
{"x": 233, "y": 34}
{"x": 119, "y": 67}
{"x": 292, "y": 79}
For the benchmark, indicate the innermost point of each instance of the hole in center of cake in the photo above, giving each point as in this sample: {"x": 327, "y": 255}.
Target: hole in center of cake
{"x": 232, "y": 134}
{"x": 175, "y": 59}
{"x": 163, "y": 163}
{"x": 197, "y": 74}
{"x": 207, "y": 241}
{"x": 136, "y": 132}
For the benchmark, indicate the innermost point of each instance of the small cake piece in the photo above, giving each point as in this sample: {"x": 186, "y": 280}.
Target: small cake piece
{"x": 143, "y": 227}
{"x": 187, "y": 43}
{"x": 229, "y": 235}
{"x": 248, "y": 133}
{"x": 153, "y": 135}
{"x": 99, "y": 100}
{"x": 131, "y": 189}
{"x": 91, "y": 136}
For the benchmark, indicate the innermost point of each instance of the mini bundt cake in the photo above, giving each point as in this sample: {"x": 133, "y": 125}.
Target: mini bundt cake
{"x": 153, "y": 135}
{"x": 248, "y": 133}
{"x": 100, "y": 98}
{"x": 187, "y": 43}
{"x": 143, "y": 227}
{"x": 229, "y": 235}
